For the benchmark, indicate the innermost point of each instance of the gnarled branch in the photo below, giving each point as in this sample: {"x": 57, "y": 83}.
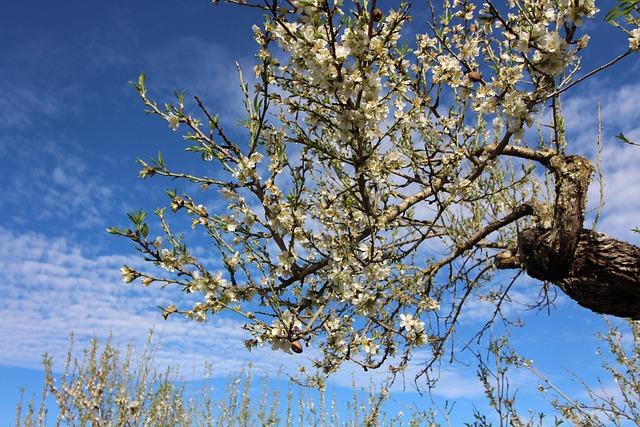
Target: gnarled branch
{"x": 597, "y": 271}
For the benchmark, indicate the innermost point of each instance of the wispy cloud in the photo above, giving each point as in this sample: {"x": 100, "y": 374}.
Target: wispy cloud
{"x": 53, "y": 181}
{"x": 22, "y": 106}
{"x": 52, "y": 288}
{"x": 32, "y": 98}
{"x": 618, "y": 113}
{"x": 202, "y": 68}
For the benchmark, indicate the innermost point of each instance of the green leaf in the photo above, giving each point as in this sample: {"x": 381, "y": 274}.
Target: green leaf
{"x": 137, "y": 217}
{"x": 624, "y": 7}
{"x": 180, "y": 98}
{"x": 160, "y": 161}
{"x": 624, "y": 139}
{"x": 116, "y": 231}
{"x": 140, "y": 86}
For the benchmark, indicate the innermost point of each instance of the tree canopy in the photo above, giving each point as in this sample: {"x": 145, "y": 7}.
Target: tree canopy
{"x": 394, "y": 160}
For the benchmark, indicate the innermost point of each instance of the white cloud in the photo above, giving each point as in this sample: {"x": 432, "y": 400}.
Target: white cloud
{"x": 52, "y": 288}
{"x": 55, "y": 182}
{"x": 18, "y": 103}
{"x": 457, "y": 382}
{"x": 619, "y": 161}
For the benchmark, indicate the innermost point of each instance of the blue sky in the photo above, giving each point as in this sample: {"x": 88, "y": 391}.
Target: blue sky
{"x": 71, "y": 127}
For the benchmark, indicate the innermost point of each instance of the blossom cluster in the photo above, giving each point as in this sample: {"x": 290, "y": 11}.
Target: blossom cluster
{"x": 367, "y": 196}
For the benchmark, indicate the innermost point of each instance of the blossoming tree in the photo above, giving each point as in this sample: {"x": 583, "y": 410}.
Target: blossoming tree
{"x": 390, "y": 166}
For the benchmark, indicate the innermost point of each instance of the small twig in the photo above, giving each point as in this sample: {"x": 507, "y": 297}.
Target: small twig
{"x": 599, "y": 171}
{"x": 591, "y": 73}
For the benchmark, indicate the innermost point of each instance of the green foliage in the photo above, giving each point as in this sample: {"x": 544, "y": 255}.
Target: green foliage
{"x": 623, "y": 8}
{"x": 626, "y": 140}
{"x": 141, "y": 227}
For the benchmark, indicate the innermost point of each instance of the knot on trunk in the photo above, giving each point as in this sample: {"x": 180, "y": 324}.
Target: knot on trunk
{"x": 543, "y": 254}
{"x": 598, "y": 272}
{"x": 548, "y": 253}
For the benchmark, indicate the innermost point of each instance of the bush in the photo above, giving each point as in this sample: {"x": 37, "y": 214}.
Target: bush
{"x": 108, "y": 388}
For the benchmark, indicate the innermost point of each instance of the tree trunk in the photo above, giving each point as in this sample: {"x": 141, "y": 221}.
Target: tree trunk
{"x": 598, "y": 272}
{"x": 604, "y": 276}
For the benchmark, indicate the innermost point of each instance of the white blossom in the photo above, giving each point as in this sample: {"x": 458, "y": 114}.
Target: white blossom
{"x": 634, "y": 39}
{"x": 577, "y": 10}
{"x": 409, "y": 323}
{"x": 174, "y": 121}
{"x": 128, "y": 274}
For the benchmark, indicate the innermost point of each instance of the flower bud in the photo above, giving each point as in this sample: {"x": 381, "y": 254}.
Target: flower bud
{"x": 583, "y": 42}
{"x": 167, "y": 311}
{"x": 296, "y": 347}
{"x": 475, "y": 76}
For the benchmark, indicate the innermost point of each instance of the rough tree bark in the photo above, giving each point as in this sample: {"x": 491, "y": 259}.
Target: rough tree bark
{"x": 597, "y": 271}
{"x": 604, "y": 276}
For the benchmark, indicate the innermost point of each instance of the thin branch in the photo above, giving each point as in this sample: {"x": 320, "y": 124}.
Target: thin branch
{"x": 519, "y": 212}
{"x": 591, "y": 73}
